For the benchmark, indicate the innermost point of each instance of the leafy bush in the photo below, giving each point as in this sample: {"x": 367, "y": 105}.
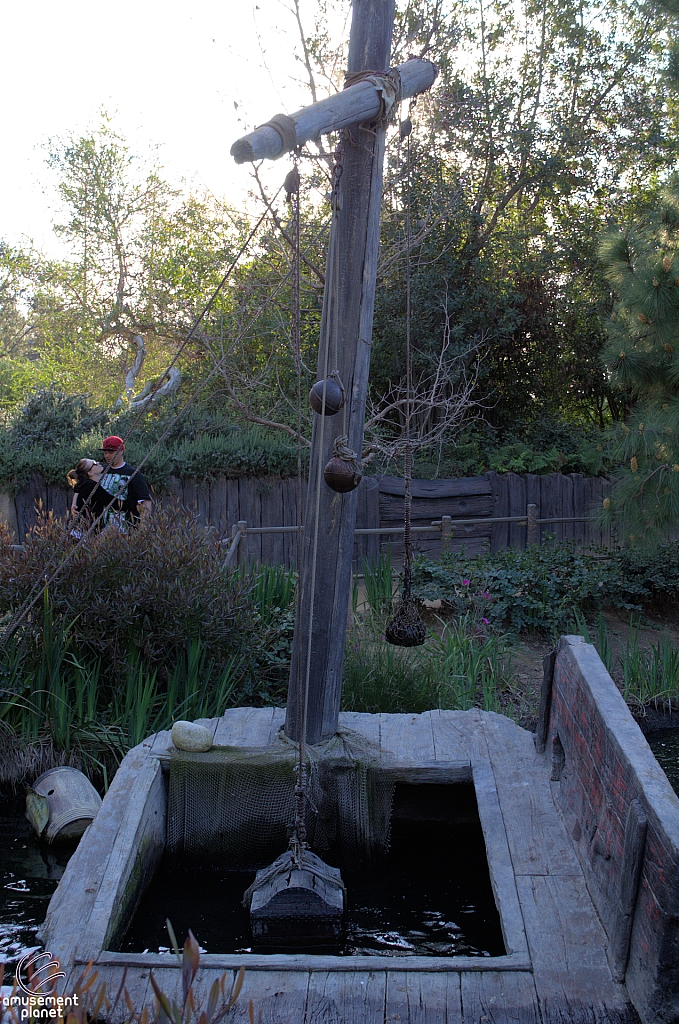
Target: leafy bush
{"x": 231, "y": 451}
{"x": 540, "y": 588}
{"x": 51, "y": 416}
{"x": 147, "y": 594}
{"x": 547, "y": 446}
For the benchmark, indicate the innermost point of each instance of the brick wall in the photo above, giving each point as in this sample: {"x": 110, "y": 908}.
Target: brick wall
{"x": 600, "y": 764}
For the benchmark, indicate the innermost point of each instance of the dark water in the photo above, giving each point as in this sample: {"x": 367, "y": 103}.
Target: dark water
{"x": 665, "y": 746}
{"x": 29, "y": 874}
{"x": 430, "y": 897}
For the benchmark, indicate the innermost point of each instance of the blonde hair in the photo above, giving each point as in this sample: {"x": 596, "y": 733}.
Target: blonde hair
{"x": 81, "y": 472}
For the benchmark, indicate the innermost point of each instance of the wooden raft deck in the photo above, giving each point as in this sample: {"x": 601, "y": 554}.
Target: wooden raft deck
{"x": 558, "y": 974}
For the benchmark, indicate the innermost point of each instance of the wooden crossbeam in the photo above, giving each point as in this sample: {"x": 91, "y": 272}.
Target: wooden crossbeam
{"x": 357, "y": 104}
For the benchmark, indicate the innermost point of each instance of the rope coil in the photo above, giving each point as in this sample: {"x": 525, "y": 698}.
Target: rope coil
{"x": 286, "y": 130}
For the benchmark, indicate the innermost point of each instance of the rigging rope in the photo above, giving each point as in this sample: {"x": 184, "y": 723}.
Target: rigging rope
{"x": 298, "y": 841}
{"x": 406, "y": 629}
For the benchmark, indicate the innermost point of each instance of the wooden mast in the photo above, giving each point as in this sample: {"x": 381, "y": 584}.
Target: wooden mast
{"x": 349, "y": 299}
{"x": 348, "y": 305}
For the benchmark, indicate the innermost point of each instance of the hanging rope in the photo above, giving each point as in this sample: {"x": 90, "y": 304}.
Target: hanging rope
{"x": 292, "y": 186}
{"x": 406, "y": 628}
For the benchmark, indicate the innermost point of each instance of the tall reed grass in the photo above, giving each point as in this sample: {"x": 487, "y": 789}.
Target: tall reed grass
{"x": 53, "y": 689}
{"x": 460, "y": 668}
{"x": 647, "y": 673}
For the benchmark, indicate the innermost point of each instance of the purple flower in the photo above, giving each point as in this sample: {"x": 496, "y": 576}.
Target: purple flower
{"x": 465, "y": 583}
{"x": 486, "y": 595}
{"x": 486, "y": 622}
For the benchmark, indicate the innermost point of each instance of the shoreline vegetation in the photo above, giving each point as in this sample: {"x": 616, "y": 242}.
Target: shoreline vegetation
{"x": 144, "y": 628}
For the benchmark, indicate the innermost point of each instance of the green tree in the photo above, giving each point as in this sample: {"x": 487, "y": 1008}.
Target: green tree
{"x": 641, "y": 263}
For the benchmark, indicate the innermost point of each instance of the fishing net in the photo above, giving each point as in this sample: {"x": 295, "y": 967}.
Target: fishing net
{"x": 233, "y": 807}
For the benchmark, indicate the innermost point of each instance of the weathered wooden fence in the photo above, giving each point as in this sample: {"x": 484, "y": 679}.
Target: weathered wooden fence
{"x": 270, "y": 501}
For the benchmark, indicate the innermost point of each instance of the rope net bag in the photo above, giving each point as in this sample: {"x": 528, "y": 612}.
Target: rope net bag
{"x": 406, "y": 628}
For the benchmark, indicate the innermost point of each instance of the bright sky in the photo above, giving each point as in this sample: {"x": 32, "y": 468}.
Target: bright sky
{"x": 169, "y": 72}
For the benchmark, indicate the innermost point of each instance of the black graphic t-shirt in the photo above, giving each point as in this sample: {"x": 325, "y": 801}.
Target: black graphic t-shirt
{"x": 129, "y": 491}
{"x": 92, "y": 500}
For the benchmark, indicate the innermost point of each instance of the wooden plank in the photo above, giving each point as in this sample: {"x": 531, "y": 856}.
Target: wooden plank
{"x": 8, "y": 513}
{"x": 407, "y": 737}
{"x": 159, "y": 742}
{"x": 471, "y": 507}
{"x": 365, "y": 724}
{"x": 79, "y": 912}
{"x": 25, "y": 501}
{"x": 135, "y": 983}
{"x": 169, "y": 980}
{"x": 336, "y": 998}
{"x": 568, "y": 505}
{"x": 273, "y": 514}
{"x": 232, "y": 504}
{"x": 429, "y": 772}
{"x": 550, "y": 504}
{"x": 360, "y": 965}
{"x": 367, "y": 518}
{"x": 451, "y": 733}
{"x": 251, "y": 511}
{"x": 499, "y": 537}
{"x": 500, "y": 861}
{"x": 464, "y": 487}
{"x": 189, "y": 499}
{"x": 290, "y": 519}
{"x": 517, "y": 507}
{"x": 175, "y": 489}
{"x": 500, "y": 998}
{"x": 579, "y": 499}
{"x": 425, "y": 998}
{"x": 244, "y": 727}
{"x": 218, "y": 505}
{"x": 58, "y": 500}
{"x": 567, "y": 948}
{"x": 277, "y": 997}
{"x": 536, "y": 834}
{"x": 203, "y": 502}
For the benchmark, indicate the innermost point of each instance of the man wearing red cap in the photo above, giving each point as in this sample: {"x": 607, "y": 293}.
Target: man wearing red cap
{"x": 124, "y": 481}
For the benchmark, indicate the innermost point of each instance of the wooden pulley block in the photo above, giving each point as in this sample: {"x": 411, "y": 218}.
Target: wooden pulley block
{"x": 342, "y": 476}
{"x": 334, "y": 396}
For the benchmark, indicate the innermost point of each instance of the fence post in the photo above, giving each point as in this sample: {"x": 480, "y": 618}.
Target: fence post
{"x": 532, "y": 528}
{"x": 242, "y": 554}
{"x": 446, "y": 533}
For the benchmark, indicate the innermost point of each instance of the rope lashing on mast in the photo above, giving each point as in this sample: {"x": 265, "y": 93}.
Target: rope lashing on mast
{"x": 406, "y": 628}
{"x": 343, "y": 472}
{"x": 286, "y": 129}
{"x": 387, "y": 85}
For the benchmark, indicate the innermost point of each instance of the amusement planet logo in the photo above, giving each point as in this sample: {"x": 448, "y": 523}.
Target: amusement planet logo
{"x": 32, "y": 1003}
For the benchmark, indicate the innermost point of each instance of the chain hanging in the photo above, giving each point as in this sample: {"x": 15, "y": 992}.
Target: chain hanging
{"x": 406, "y": 628}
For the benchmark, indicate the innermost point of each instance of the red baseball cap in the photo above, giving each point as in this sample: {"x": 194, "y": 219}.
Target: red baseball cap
{"x": 112, "y": 443}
